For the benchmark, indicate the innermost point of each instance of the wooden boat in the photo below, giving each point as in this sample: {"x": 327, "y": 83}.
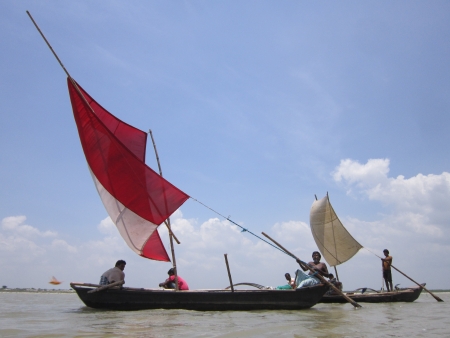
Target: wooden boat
{"x": 401, "y": 295}
{"x": 138, "y": 200}
{"x": 203, "y": 300}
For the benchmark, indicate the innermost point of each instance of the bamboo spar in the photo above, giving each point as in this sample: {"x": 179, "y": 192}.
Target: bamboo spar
{"x": 167, "y": 222}
{"x": 434, "y": 296}
{"x": 322, "y": 279}
{"x": 104, "y": 287}
{"x": 229, "y": 273}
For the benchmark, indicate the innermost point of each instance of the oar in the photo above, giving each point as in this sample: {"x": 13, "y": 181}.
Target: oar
{"x": 434, "y": 296}
{"x": 322, "y": 279}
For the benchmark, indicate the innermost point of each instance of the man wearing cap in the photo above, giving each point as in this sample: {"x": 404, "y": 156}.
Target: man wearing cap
{"x": 387, "y": 274}
{"x": 169, "y": 283}
{"x": 318, "y": 268}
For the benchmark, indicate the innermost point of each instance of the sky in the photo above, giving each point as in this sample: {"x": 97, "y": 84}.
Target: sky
{"x": 256, "y": 107}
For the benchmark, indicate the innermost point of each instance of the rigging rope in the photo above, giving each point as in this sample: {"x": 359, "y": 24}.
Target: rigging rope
{"x": 243, "y": 229}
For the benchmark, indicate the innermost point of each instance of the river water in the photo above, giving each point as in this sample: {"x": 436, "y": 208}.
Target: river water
{"x": 32, "y": 314}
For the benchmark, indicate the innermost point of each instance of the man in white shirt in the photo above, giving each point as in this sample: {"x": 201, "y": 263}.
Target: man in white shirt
{"x": 115, "y": 274}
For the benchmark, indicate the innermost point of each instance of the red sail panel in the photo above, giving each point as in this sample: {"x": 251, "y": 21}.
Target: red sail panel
{"x": 132, "y": 138}
{"x": 155, "y": 248}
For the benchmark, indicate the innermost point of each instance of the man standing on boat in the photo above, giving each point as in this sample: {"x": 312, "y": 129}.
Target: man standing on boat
{"x": 115, "y": 274}
{"x": 303, "y": 279}
{"x": 169, "y": 283}
{"x": 387, "y": 274}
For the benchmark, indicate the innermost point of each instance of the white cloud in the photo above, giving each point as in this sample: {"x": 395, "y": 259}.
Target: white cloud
{"x": 417, "y": 203}
{"x": 362, "y": 175}
{"x": 13, "y": 224}
{"x": 60, "y": 244}
{"x": 106, "y": 226}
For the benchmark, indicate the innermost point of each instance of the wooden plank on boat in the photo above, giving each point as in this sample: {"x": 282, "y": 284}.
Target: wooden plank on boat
{"x": 104, "y": 287}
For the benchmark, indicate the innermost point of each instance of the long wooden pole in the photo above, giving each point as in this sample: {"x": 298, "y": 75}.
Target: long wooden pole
{"x": 322, "y": 279}
{"x": 229, "y": 273}
{"x": 335, "y": 270}
{"x": 167, "y": 222}
{"x": 61, "y": 64}
{"x": 48, "y": 44}
{"x": 435, "y": 297}
{"x": 104, "y": 287}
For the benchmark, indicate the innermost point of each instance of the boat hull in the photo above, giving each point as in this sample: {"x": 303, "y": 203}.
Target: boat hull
{"x": 202, "y": 300}
{"x": 406, "y": 295}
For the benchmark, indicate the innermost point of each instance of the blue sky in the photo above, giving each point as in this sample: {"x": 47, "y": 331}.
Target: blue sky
{"x": 255, "y": 106}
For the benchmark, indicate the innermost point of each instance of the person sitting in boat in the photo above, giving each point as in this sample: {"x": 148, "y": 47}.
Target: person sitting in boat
{"x": 335, "y": 282}
{"x": 115, "y": 274}
{"x": 317, "y": 266}
{"x": 169, "y": 283}
{"x": 289, "y": 285}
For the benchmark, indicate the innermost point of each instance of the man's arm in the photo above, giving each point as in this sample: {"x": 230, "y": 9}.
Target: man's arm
{"x": 325, "y": 270}
{"x": 304, "y": 268}
{"x": 163, "y": 284}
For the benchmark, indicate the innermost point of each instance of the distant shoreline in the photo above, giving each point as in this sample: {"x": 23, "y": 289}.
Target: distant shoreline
{"x": 33, "y": 290}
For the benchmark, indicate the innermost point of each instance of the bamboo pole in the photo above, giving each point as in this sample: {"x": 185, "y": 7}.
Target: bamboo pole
{"x": 48, "y": 44}
{"x": 229, "y": 273}
{"x": 335, "y": 270}
{"x": 104, "y": 287}
{"x": 322, "y": 279}
{"x": 422, "y": 286}
{"x": 60, "y": 63}
{"x": 167, "y": 222}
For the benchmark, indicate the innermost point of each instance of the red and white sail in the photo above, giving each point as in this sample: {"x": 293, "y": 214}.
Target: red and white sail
{"x": 136, "y": 198}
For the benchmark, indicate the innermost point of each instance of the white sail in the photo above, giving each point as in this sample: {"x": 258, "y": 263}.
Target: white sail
{"x": 332, "y": 238}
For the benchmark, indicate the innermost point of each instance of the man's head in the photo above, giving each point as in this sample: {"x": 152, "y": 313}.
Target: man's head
{"x": 287, "y": 275}
{"x": 316, "y": 256}
{"x": 386, "y": 252}
{"x": 121, "y": 264}
{"x": 171, "y": 272}
{"x": 330, "y": 276}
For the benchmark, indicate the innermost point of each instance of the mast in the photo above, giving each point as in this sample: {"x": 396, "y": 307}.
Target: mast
{"x": 167, "y": 222}
{"x": 334, "y": 238}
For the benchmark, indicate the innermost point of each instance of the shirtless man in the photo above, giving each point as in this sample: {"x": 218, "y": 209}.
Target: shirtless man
{"x": 317, "y": 266}
{"x": 387, "y": 274}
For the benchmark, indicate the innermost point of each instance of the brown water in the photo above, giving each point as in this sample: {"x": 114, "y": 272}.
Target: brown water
{"x": 24, "y": 314}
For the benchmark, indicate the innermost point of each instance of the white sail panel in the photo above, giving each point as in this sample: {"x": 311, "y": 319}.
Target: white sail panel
{"x": 332, "y": 238}
{"x": 135, "y": 230}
